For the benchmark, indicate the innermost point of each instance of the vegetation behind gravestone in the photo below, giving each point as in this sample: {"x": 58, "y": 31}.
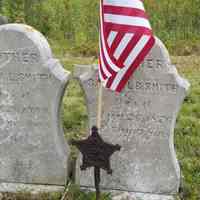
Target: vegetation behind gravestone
{"x": 74, "y": 23}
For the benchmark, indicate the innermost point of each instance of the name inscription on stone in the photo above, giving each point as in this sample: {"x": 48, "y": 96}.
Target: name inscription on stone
{"x": 10, "y": 77}
{"x": 152, "y": 86}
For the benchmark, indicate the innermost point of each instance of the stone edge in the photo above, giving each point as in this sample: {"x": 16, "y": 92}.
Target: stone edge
{"x": 33, "y": 189}
{"x": 125, "y": 195}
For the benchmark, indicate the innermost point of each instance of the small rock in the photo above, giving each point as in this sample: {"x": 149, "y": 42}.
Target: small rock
{"x": 123, "y": 196}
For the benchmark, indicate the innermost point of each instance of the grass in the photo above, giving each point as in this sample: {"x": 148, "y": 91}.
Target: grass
{"x": 75, "y": 22}
{"x": 28, "y": 196}
{"x": 74, "y": 194}
{"x": 187, "y": 132}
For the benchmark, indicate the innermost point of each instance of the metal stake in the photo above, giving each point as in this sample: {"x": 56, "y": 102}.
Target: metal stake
{"x": 97, "y": 175}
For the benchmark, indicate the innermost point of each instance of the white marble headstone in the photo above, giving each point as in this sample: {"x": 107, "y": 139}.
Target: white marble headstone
{"x": 141, "y": 119}
{"x": 32, "y": 145}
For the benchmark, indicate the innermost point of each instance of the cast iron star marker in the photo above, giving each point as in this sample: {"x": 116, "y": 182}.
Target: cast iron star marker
{"x": 96, "y": 153}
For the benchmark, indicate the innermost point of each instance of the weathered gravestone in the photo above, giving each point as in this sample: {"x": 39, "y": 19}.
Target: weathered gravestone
{"x": 3, "y": 20}
{"x": 32, "y": 145}
{"x": 141, "y": 119}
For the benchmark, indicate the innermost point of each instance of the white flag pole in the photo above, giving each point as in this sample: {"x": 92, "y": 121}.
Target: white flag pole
{"x": 99, "y": 104}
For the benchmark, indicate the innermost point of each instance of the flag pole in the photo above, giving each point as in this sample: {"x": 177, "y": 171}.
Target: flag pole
{"x": 99, "y": 104}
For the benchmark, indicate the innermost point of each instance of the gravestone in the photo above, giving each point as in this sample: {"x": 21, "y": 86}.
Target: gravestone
{"x": 141, "y": 119}
{"x": 3, "y": 20}
{"x": 32, "y": 145}
{"x": 87, "y": 77}
{"x": 81, "y": 69}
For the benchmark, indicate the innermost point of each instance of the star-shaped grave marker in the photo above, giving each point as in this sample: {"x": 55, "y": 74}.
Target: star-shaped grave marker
{"x": 96, "y": 153}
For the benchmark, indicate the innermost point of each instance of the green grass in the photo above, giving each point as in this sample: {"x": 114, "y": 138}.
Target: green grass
{"x": 187, "y": 132}
{"x": 74, "y": 193}
{"x": 28, "y": 196}
{"x": 74, "y": 23}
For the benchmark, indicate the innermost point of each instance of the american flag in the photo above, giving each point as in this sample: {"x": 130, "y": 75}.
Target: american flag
{"x": 125, "y": 39}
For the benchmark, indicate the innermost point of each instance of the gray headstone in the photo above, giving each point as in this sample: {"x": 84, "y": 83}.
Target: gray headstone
{"x": 32, "y": 145}
{"x": 81, "y": 69}
{"x": 3, "y": 20}
{"x": 87, "y": 76}
{"x": 141, "y": 119}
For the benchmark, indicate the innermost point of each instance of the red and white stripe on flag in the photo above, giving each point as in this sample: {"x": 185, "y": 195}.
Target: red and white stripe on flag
{"x": 125, "y": 40}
